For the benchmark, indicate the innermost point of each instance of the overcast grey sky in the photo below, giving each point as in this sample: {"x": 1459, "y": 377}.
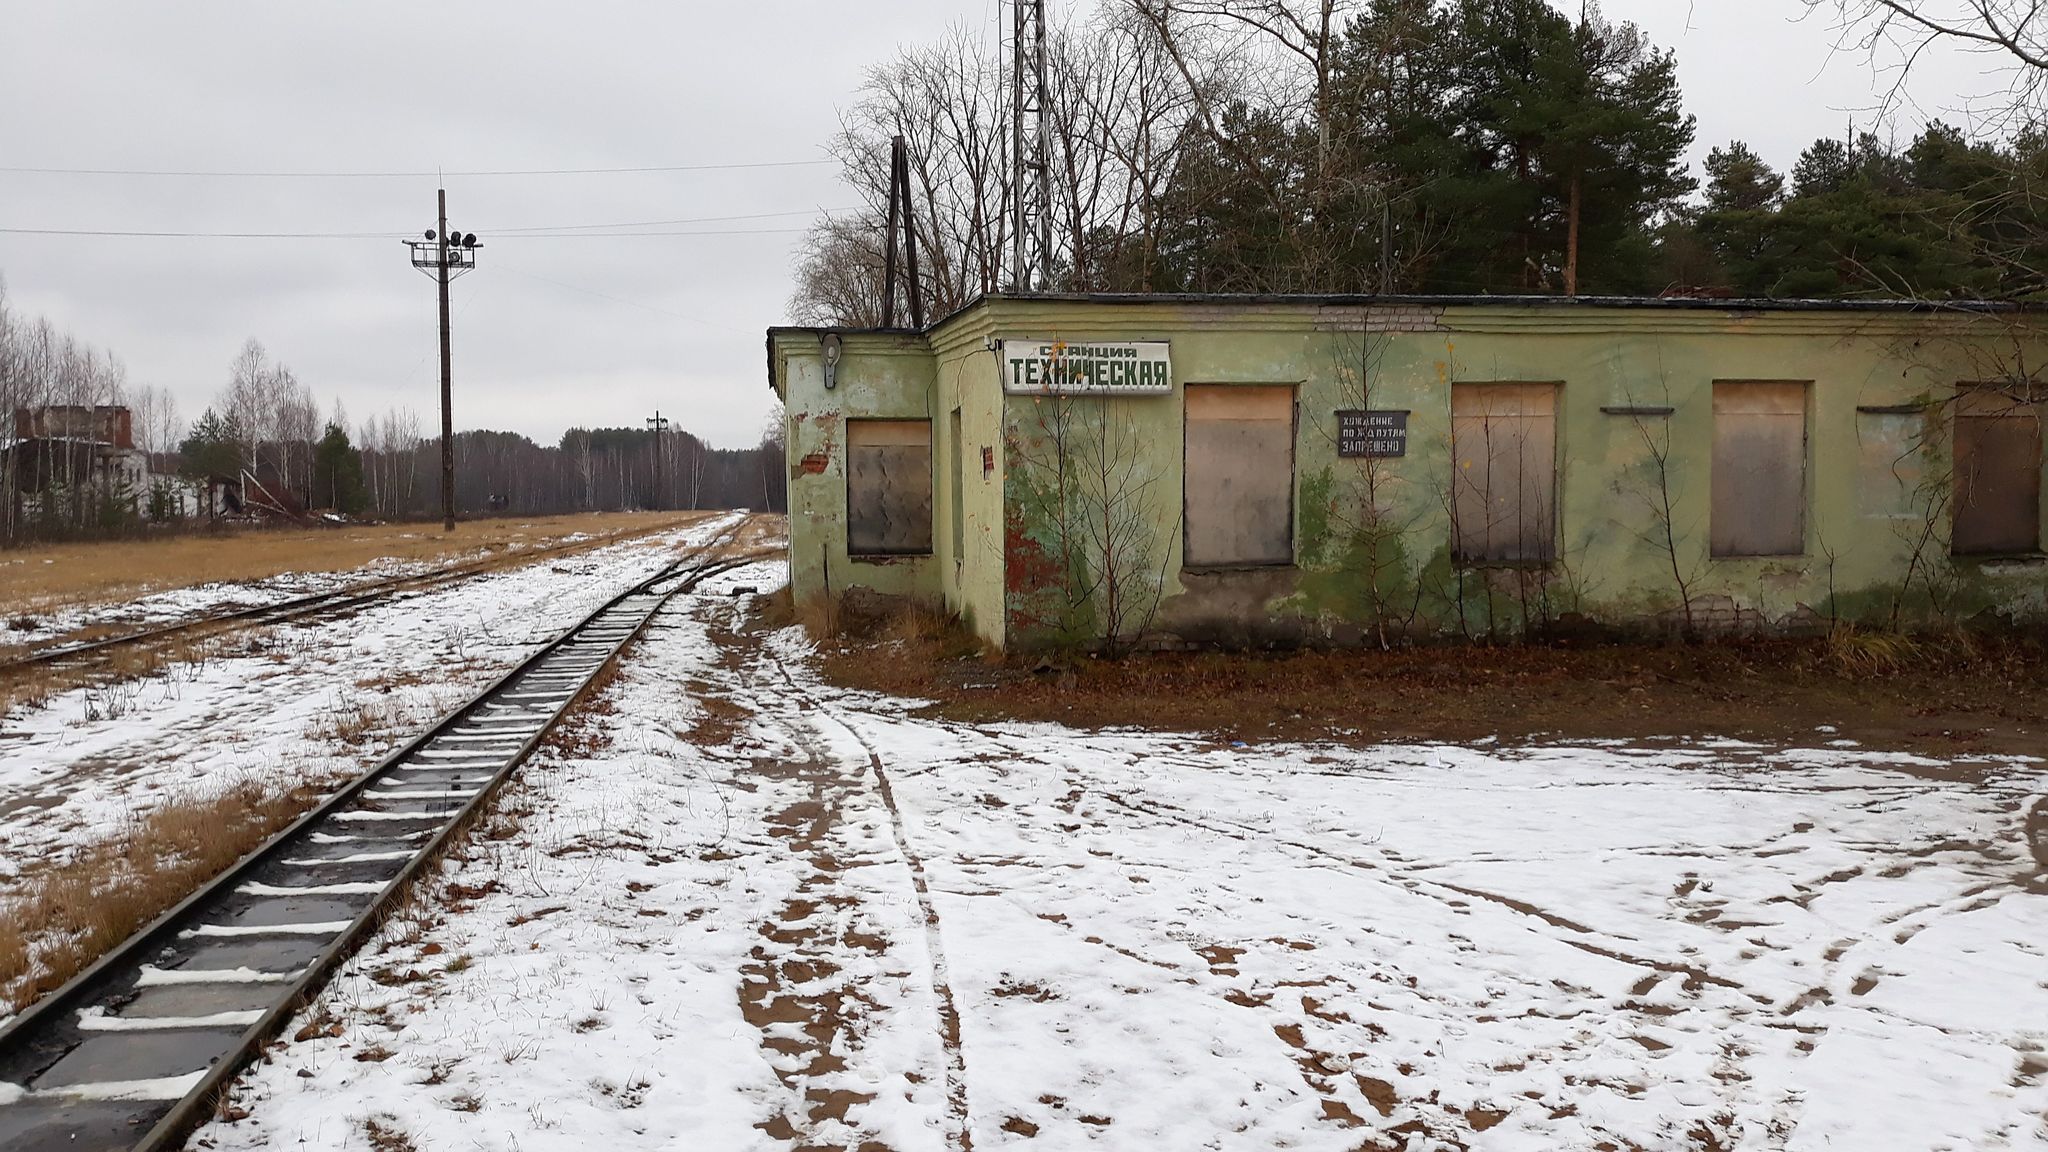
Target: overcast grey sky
{"x": 551, "y": 332}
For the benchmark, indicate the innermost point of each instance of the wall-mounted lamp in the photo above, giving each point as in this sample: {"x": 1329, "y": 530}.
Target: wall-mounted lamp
{"x": 832, "y": 348}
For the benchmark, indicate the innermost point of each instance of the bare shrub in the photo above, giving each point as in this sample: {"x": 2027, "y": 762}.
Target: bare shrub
{"x": 386, "y": 1136}
{"x": 1856, "y": 654}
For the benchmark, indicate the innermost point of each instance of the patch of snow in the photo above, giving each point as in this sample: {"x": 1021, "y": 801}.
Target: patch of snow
{"x": 710, "y": 929}
{"x": 164, "y": 977}
{"x": 95, "y": 1019}
{"x": 311, "y": 704}
{"x": 166, "y": 1088}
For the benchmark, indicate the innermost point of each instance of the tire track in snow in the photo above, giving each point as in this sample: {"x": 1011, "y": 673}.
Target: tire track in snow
{"x": 1695, "y": 974}
{"x": 960, "y": 1133}
{"x": 1645, "y": 1019}
{"x": 942, "y": 986}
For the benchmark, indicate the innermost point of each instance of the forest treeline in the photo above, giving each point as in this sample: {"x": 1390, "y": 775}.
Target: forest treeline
{"x": 266, "y": 437}
{"x": 1419, "y": 146}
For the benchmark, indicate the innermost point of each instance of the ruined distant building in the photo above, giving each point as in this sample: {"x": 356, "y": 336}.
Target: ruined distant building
{"x": 77, "y": 452}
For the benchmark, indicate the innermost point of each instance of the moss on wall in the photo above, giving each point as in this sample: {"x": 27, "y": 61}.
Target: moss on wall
{"x": 1357, "y": 579}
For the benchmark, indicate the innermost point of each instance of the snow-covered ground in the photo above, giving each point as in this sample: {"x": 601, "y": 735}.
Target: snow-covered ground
{"x": 739, "y": 909}
{"x": 317, "y": 700}
{"x": 173, "y": 604}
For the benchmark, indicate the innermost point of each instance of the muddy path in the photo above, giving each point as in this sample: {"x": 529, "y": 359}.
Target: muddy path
{"x": 851, "y": 965}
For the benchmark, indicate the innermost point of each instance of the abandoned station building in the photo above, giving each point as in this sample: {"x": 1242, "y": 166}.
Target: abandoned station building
{"x": 1329, "y": 470}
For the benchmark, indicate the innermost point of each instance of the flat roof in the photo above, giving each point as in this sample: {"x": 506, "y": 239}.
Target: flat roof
{"x": 1644, "y": 303}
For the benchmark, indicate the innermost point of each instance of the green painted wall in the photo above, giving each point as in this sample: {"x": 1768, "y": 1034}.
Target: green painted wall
{"x": 1872, "y": 545}
{"x": 879, "y": 376}
{"x": 971, "y": 573}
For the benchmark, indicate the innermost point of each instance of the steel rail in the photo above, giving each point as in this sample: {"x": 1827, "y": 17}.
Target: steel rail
{"x": 231, "y": 963}
{"x": 298, "y": 607}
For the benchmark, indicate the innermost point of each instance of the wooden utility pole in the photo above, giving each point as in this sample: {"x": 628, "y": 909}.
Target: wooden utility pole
{"x": 659, "y": 424}
{"x": 900, "y": 213}
{"x": 447, "y": 378}
{"x": 445, "y": 255}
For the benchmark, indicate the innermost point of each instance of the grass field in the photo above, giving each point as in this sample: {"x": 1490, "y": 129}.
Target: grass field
{"x": 41, "y": 578}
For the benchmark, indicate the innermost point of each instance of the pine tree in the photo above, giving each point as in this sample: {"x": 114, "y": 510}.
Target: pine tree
{"x": 1738, "y": 223}
{"x": 1403, "y": 171}
{"x": 1860, "y": 222}
{"x": 1525, "y": 152}
{"x": 211, "y": 453}
{"x": 1220, "y": 227}
{"x": 338, "y": 473}
{"x": 1590, "y": 120}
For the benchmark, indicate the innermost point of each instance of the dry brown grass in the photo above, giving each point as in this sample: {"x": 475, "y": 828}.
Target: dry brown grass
{"x": 718, "y": 719}
{"x": 66, "y": 916}
{"x": 776, "y": 609}
{"x": 765, "y": 530}
{"x": 818, "y": 617}
{"x": 386, "y": 1136}
{"x": 869, "y": 623}
{"x": 1932, "y": 693}
{"x": 887, "y": 630}
{"x": 1859, "y": 653}
{"x": 43, "y": 577}
{"x": 31, "y": 687}
{"x": 354, "y": 720}
{"x": 118, "y": 673}
{"x": 585, "y": 730}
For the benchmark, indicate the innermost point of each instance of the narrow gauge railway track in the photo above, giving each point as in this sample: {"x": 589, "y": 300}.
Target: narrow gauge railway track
{"x": 131, "y": 1053}
{"x": 86, "y": 652}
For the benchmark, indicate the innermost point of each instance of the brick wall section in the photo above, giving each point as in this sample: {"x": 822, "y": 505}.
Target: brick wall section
{"x": 105, "y": 423}
{"x": 1381, "y": 318}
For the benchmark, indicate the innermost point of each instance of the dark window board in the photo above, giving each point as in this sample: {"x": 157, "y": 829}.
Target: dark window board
{"x": 1892, "y": 409}
{"x": 1225, "y": 569}
{"x": 2027, "y": 558}
{"x": 1637, "y": 409}
{"x": 1504, "y": 565}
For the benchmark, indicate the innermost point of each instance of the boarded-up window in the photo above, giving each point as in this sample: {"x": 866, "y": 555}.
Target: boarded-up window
{"x": 1240, "y": 475}
{"x": 1759, "y": 468}
{"x": 1892, "y": 464}
{"x": 1504, "y": 472}
{"x": 1998, "y": 474}
{"x": 956, "y": 485}
{"x": 889, "y": 487}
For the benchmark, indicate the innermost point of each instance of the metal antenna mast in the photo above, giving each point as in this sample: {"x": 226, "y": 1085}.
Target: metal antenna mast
{"x": 1030, "y": 141}
{"x": 444, "y": 255}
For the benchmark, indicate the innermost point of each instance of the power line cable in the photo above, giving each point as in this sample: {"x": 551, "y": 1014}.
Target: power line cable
{"x": 625, "y": 235}
{"x": 44, "y": 171}
{"x": 377, "y": 235}
{"x": 664, "y": 223}
{"x": 208, "y": 235}
{"x": 620, "y": 300}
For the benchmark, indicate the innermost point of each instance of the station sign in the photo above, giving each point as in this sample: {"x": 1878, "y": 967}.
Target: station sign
{"x": 1363, "y": 434}
{"x": 1060, "y": 368}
